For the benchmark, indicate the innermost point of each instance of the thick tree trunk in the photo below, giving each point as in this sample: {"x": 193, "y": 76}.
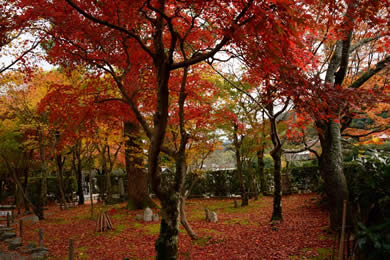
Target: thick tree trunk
{"x": 277, "y": 205}
{"x": 138, "y": 197}
{"x": 331, "y": 169}
{"x": 80, "y": 192}
{"x": 167, "y": 242}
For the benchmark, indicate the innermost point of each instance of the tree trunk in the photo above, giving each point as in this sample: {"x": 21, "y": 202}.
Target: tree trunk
{"x": 331, "y": 169}
{"x": 107, "y": 172}
{"x": 77, "y": 168}
{"x": 260, "y": 158}
{"x": 26, "y": 203}
{"x": 181, "y": 166}
{"x": 183, "y": 218}
{"x": 237, "y": 145}
{"x": 261, "y": 166}
{"x": 138, "y": 197}
{"x": 277, "y": 205}
{"x": 60, "y": 179}
{"x": 20, "y": 187}
{"x": 167, "y": 242}
{"x": 80, "y": 192}
{"x": 91, "y": 191}
{"x": 43, "y": 194}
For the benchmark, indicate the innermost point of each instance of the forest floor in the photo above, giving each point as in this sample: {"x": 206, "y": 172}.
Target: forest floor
{"x": 240, "y": 233}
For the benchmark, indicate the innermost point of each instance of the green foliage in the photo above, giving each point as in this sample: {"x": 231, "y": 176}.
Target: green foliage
{"x": 369, "y": 180}
{"x": 101, "y": 181}
{"x": 34, "y": 186}
{"x": 305, "y": 177}
{"x": 374, "y": 241}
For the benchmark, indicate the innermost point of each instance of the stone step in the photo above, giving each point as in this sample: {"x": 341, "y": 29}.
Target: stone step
{"x": 14, "y": 243}
{"x": 7, "y": 235}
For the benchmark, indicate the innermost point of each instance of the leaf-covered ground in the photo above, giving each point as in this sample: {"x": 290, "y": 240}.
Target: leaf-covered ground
{"x": 241, "y": 233}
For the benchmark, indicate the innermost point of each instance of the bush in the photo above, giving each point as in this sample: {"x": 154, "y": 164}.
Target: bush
{"x": 101, "y": 182}
{"x": 305, "y": 177}
{"x": 369, "y": 180}
{"x": 53, "y": 191}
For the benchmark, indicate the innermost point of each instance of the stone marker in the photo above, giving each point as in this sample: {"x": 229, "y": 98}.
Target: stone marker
{"x": 121, "y": 187}
{"x": 156, "y": 217}
{"x": 213, "y": 217}
{"x": 32, "y": 218}
{"x": 148, "y": 214}
{"x": 207, "y": 212}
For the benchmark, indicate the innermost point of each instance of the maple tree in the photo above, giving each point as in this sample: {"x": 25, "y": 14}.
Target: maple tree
{"x": 15, "y": 47}
{"x": 22, "y": 101}
{"x": 342, "y": 40}
{"x": 139, "y": 57}
{"x": 180, "y": 38}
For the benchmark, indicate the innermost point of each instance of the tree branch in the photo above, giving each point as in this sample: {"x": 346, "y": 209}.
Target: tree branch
{"x": 371, "y": 72}
{"x": 112, "y": 26}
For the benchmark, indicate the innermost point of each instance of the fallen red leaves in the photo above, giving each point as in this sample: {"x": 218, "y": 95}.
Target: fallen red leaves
{"x": 243, "y": 233}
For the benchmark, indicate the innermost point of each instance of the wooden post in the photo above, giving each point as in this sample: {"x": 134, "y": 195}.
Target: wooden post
{"x": 8, "y": 220}
{"x": 40, "y": 237}
{"x": 341, "y": 249}
{"x": 70, "y": 249}
{"x": 21, "y": 229}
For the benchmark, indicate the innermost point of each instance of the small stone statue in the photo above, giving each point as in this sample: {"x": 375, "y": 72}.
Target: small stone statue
{"x": 148, "y": 215}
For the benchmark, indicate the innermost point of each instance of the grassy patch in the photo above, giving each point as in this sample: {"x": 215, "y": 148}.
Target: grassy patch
{"x": 81, "y": 252}
{"x": 60, "y": 221}
{"x": 196, "y": 215}
{"x": 118, "y": 229}
{"x": 202, "y": 241}
{"x": 119, "y": 216}
{"x": 211, "y": 231}
{"x": 152, "y": 229}
{"x": 240, "y": 221}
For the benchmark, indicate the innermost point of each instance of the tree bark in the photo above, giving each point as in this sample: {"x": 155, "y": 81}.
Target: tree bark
{"x": 137, "y": 191}
{"x": 77, "y": 168}
{"x": 277, "y": 205}
{"x": 237, "y": 145}
{"x": 107, "y": 172}
{"x": 331, "y": 169}
{"x": 167, "y": 242}
{"x": 44, "y": 169}
{"x": 60, "y": 179}
{"x": 261, "y": 166}
{"x": 276, "y": 154}
{"x": 183, "y": 218}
